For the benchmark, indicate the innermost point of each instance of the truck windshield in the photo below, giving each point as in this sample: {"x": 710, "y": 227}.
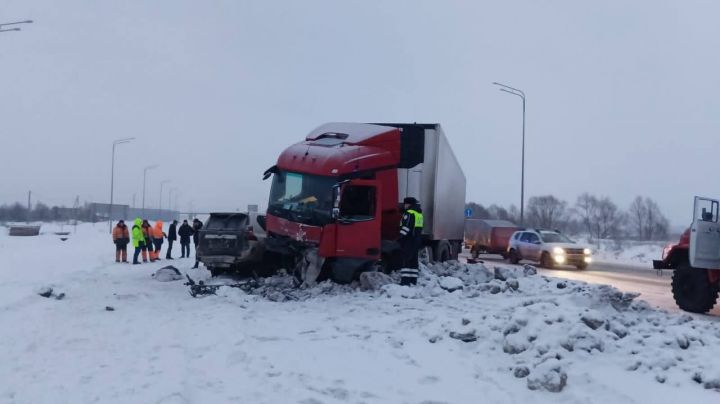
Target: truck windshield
{"x": 302, "y": 198}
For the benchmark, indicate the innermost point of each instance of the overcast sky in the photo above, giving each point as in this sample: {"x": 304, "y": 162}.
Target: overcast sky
{"x": 622, "y": 95}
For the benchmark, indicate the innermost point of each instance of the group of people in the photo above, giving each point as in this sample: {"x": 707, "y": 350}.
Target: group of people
{"x": 148, "y": 240}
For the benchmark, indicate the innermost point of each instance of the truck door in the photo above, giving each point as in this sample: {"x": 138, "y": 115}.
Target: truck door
{"x": 357, "y": 209}
{"x": 705, "y": 234}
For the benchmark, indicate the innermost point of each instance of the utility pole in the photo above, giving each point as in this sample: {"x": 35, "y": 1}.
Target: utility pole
{"x": 521, "y": 94}
{"x": 162, "y": 183}
{"x": 29, "y": 206}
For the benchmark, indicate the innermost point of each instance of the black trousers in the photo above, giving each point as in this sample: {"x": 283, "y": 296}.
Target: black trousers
{"x": 185, "y": 248}
{"x": 169, "y": 250}
{"x": 409, "y": 271}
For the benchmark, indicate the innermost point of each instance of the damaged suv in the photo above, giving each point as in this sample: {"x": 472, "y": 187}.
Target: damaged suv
{"x": 232, "y": 242}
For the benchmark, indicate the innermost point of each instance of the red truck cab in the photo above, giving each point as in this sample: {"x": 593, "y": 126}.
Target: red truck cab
{"x": 338, "y": 193}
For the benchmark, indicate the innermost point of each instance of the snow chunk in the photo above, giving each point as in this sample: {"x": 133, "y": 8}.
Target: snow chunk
{"x": 374, "y": 280}
{"x": 451, "y": 283}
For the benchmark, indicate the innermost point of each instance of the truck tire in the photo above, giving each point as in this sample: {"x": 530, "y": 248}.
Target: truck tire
{"x": 513, "y": 257}
{"x": 692, "y": 290}
{"x": 546, "y": 261}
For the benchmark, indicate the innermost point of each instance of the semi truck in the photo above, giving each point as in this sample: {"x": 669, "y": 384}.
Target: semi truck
{"x": 488, "y": 236}
{"x": 335, "y": 199}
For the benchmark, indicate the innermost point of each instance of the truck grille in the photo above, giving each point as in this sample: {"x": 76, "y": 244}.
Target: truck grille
{"x": 571, "y": 251}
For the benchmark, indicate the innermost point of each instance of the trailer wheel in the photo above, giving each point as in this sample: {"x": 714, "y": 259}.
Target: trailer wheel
{"x": 475, "y": 252}
{"x": 513, "y": 257}
{"x": 692, "y": 290}
{"x": 443, "y": 252}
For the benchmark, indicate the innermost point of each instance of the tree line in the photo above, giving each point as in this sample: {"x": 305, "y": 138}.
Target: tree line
{"x": 41, "y": 212}
{"x": 597, "y": 216}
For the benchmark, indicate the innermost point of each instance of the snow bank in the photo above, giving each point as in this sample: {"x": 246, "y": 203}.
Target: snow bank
{"x": 465, "y": 333}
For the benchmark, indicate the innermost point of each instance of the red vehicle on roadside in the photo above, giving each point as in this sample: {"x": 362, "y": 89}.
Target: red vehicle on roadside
{"x": 485, "y": 236}
{"x": 695, "y": 260}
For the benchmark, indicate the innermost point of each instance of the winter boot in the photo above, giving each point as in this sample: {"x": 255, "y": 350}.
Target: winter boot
{"x": 117, "y": 256}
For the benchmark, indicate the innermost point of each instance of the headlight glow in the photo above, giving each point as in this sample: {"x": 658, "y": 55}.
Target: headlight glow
{"x": 558, "y": 250}
{"x": 587, "y": 251}
{"x": 560, "y": 259}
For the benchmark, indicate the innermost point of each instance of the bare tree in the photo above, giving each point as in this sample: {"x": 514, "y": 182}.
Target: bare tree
{"x": 647, "y": 220}
{"x": 547, "y": 212}
{"x": 586, "y": 209}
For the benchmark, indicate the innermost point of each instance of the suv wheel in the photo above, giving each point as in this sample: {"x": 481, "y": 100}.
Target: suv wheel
{"x": 546, "y": 261}
{"x": 513, "y": 257}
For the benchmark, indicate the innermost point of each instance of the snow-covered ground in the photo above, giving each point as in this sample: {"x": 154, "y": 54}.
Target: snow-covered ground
{"x": 503, "y": 335}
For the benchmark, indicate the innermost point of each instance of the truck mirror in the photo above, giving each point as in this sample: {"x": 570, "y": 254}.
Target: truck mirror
{"x": 335, "y": 213}
{"x": 270, "y": 171}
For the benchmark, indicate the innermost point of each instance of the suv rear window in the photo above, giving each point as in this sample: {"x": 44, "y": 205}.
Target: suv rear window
{"x": 234, "y": 221}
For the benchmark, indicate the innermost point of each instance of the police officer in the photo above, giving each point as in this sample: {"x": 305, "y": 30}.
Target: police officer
{"x": 411, "y": 226}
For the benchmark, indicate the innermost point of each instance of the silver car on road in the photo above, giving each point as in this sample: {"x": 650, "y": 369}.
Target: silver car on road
{"x": 548, "y": 247}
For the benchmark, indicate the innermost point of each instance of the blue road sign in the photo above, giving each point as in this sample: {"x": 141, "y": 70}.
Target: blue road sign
{"x": 468, "y": 212}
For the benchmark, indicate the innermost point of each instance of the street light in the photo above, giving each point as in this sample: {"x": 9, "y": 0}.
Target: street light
{"x": 521, "y": 94}
{"x": 112, "y": 176}
{"x": 13, "y": 23}
{"x": 144, "y": 183}
{"x": 162, "y": 183}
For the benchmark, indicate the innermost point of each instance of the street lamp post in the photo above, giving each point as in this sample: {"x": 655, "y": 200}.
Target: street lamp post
{"x": 521, "y": 94}
{"x": 112, "y": 177}
{"x": 13, "y": 23}
{"x": 144, "y": 185}
{"x": 162, "y": 184}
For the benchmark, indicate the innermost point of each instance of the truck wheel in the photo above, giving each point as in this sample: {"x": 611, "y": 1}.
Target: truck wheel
{"x": 215, "y": 271}
{"x": 692, "y": 289}
{"x": 546, "y": 261}
{"x": 513, "y": 257}
{"x": 475, "y": 252}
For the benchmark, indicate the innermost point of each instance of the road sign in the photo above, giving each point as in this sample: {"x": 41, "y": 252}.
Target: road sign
{"x": 468, "y": 212}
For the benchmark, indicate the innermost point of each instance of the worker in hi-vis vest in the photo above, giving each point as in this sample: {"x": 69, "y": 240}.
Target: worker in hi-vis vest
{"x": 411, "y": 226}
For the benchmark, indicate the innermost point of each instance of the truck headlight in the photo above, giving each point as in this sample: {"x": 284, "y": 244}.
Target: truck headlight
{"x": 559, "y": 258}
{"x": 587, "y": 251}
{"x": 558, "y": 251}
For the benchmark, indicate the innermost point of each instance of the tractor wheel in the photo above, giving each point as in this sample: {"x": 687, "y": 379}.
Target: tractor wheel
{"x": 513, "y": 257}
{"x": 546, "y": 261}
{"x": 692, "y": 289}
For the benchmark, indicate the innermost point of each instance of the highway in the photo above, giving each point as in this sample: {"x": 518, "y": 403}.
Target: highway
{"x": 654, "y": 289}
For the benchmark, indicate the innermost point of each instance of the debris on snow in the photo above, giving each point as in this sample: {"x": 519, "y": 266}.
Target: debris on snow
{"x": 374, "y": 280}
{"x": 549, "y": 377}
{"x": 167, "y": 274}
{"x": 465, "y": 336}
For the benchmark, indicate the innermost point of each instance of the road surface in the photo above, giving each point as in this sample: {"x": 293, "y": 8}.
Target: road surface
{"x": 653, "y": 288}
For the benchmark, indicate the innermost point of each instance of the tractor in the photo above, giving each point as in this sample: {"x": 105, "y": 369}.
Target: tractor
{"x": 695, "y": 260}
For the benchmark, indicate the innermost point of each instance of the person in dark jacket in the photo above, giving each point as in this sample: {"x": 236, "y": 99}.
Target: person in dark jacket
{"x": 171, "y": 237}
{"x": 197, "y": 225}
{"x": 147, "y": 231}
{"x": 411, "y": 226}
{"x": 185, "y": 232}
